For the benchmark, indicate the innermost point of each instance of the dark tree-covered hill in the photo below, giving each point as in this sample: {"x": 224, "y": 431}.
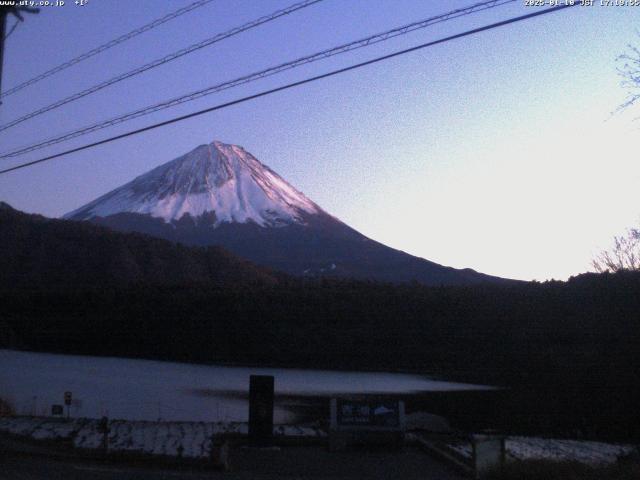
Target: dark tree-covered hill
{"x": 39, "y": 252}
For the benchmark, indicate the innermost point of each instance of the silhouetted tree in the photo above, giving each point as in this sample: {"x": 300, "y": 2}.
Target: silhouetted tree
{"x": 629, "y": 71}
{"x": 624, "y": 255}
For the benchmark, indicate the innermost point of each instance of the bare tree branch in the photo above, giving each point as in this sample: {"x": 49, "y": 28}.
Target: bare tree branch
{"x": 628, "y": 67}
{"x": 624, "y": 255}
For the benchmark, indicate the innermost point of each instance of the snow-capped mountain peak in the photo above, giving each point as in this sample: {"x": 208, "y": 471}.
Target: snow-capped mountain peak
{"x": 218, "y": 177}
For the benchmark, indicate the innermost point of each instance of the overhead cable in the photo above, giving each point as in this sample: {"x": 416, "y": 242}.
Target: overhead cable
{"x": 294, "y": 84}
{"x": 363, "y": 42}
{"x": 161, "y": 61}
{"x": 106, "y": 46}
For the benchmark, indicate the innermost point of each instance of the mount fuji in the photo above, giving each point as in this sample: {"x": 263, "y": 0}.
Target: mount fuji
{"x": 220, "y": 194}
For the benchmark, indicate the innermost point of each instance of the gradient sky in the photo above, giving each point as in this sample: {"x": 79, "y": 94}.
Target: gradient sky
{"x": 496, "y": 152}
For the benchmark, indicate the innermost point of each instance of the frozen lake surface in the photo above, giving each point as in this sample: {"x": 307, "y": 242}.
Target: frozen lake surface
{"x": 151, "y": 390}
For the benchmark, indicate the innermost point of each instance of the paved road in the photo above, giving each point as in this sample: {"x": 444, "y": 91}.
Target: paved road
{"x": 289, "y": 463}
{"x": 40, "y": 468}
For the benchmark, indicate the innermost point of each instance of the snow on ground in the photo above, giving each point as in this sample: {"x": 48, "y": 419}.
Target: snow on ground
{"x": 525, "y": 448}
{"x": 535, "y": 448}
{"x": 151, "y": 390}
{"x": 186, "y": 439}
{"x": 463, "y": 449}
{"x": 41, "y": 428}
{"x": 195, "y": 439}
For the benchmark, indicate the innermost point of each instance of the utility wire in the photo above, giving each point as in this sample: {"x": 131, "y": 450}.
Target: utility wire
{"x": 161, "y": 61}
{"x": 107, "y": 46}
{"x": 12, "y": 29}
{"x": 364, "y": 42}
{"x": 294, "y": 84}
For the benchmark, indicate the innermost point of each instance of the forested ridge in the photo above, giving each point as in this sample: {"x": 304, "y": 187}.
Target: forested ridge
{"x": 567, "y": 351}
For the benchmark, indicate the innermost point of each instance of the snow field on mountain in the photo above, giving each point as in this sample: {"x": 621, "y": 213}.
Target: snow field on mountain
{"x": 219, "y": 178}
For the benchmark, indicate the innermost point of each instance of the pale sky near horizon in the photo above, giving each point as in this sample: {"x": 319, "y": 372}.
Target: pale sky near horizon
{"x": 496, "y": 152}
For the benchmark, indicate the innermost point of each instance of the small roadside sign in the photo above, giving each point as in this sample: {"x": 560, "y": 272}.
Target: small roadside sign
{"x": 57, "y": 410}
{"x": 368, "y": 414}
{"x": 366, "y": 421}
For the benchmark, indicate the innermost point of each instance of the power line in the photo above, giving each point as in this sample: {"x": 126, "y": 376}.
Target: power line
{"x": 11, "y": 29}
{"x": 107, "y": 46}
{"x": 17, "y": 11}
{"x": 364, "y": 42}
{"x": 296, "y": 84}
{"x": 161, "y": 61}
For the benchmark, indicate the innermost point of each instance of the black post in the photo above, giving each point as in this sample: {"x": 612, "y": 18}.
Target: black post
{"x": 4, "y": 13}
{"x": 67, "y": 402}
{"x": 103, "y": 427}
{"x": 261, "y": 389}
{"x": 3, "y": 30}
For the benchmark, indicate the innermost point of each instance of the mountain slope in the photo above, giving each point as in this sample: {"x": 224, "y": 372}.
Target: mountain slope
{"x": 219, "y": 178}
{"x": 220, "y": 194}
{"x": 41, "y": 252}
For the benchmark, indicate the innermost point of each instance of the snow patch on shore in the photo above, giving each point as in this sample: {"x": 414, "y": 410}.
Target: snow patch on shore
{"x": 173, "y": 439}
{"x": 535, "y": 448}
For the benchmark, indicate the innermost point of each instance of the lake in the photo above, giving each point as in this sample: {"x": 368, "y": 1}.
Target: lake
{"x": 150, "y": 390}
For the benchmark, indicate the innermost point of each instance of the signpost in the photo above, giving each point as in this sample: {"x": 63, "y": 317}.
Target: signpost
{"x": 367, "y": 414}
{"x": 67, "y": 402}
{"x": 103, "y": 427}
{"x": 57, "y": 410}
{"x": 261, "y": 388}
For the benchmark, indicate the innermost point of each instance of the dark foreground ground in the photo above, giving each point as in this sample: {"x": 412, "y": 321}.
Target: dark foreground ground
{"x": 287, "y": 463}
